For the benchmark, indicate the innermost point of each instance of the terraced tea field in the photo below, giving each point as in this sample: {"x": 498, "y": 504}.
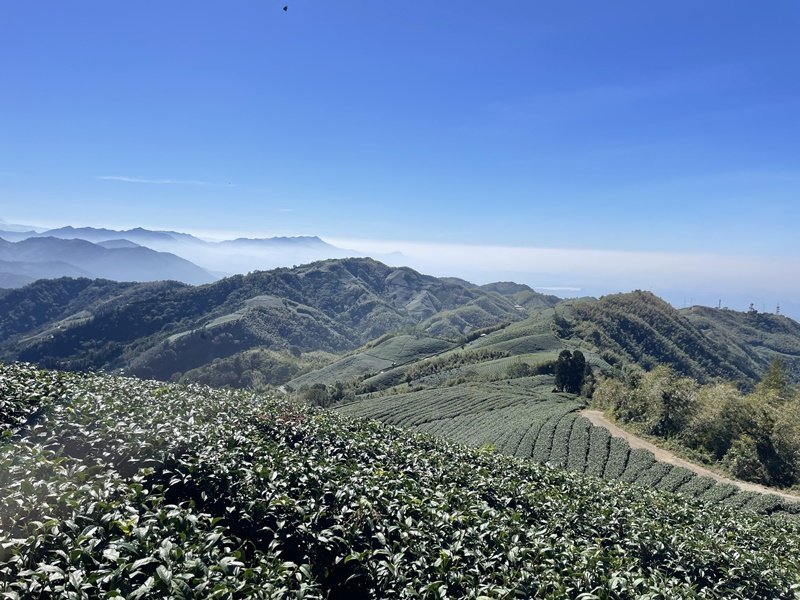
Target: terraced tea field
{"x": 524, "y": 418}
{"x": 386, "y": 354}
{"x": 122, "y": 488}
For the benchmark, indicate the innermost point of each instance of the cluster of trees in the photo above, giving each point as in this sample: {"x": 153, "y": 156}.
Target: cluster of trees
{"x": 325, "y": 396}
{"x": 755, "y": 436}
{"x": 570, "y": 370}
{"x": 523, "y": 369}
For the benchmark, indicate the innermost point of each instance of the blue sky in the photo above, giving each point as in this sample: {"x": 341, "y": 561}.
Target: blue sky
{"x": 627, "y": 126}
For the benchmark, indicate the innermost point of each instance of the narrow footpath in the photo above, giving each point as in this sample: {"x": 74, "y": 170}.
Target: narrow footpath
{"x": 600, "y": 420}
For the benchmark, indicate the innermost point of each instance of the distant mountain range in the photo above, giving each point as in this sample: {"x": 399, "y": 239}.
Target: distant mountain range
{"x": 222, "y": 258}
{"x": 121, "y": 260}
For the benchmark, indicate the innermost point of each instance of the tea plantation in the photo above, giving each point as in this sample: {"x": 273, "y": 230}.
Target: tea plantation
{"x": 121, "y": 488}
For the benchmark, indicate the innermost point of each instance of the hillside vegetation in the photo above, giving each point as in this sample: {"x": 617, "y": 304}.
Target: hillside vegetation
{"x": 523, "y": 417}
{"x": 754, "y": 436}
{"x": 497, "y": 389}
{"x": 125, "y": 488}
{"x": 702, "y": 343}
{"x": 163, "y": 331}
{"x": 755, "y": 338}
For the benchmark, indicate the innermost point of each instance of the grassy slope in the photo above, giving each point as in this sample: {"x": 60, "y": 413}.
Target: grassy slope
{"x": 388, "y": 353}
{"x": 196, "y": 493}
{"x": 257, "y": 369}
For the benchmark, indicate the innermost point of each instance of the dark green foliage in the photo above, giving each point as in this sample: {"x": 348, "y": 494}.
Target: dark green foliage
{"x": 542, "y": 449}
{"x": 559, "y": 449}
{"x": 570, "y": 370}
{"x": 652, "y": 477}
{"x": 317, "y": 395}
{"x": 134, "y": 489}
{"x": 696, "y": 486}
{"x": 755, "y": 437}
{"x": 617, "y": 458}
{"x": 257, "y": 369}
{"x": 740, "y": 499}
{"x": 743, "y": 461}
{"x": 638, "y": 461}
{"x": 642, "y": 329}
{"x": 24, "y": 393}
{"x": 23, "y": 311}
{"x": 677, "y": 477}
{"x": 162, "y": 329}
{"x": 599, "y": 446}
{"x": 754, "y": 339}
{"x": 657, "y": 403}
{"x": 766, "y": 503}
{"x": 719, "y": 492}
{"x": 562, "y": 369}
{"x": 518, "y": 369}
{"x": 579, "y": 444}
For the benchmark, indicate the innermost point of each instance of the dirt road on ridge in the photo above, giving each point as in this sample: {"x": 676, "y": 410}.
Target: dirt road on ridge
{"x": 600, "y": 420}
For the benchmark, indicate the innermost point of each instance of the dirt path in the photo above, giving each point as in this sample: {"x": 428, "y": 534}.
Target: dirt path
{"x": 599, "y": 419}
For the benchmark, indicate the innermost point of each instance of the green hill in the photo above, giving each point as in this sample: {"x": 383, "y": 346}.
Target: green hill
{"x": 124, "y": 488}
{"x": 755, "y": 339}
{"x": 482, "y": 392}
{"x": 703, "y": 343}
{"x": 164, "y": 330}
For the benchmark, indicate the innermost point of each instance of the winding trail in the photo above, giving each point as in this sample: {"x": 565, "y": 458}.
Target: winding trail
{"x": 600, "y": 420}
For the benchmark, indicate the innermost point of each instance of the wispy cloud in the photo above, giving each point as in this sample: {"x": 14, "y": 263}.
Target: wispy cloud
{"x": 126, "y": 179}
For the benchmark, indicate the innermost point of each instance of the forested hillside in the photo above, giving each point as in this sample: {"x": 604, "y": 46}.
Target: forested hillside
{"x": 703, "y": 343}
{"x": 165, "y": 330}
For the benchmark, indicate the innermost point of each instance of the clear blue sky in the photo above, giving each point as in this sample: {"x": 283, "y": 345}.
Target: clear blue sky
{"x": 671, "y": 127}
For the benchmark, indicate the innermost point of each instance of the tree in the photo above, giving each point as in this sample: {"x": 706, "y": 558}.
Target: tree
{"x": 317, "y": 394}
{"x": 570, "y": 371}
{"x": 774, "y": 385}
{"x": 786, "y": 441}
{"x": 562, "y": 369}
{"x": 744, "y": 462}
{"x": 518, "y": 369}
{"x": 577, "y": 371}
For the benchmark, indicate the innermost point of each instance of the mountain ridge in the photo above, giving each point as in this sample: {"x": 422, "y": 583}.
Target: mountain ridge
{"x": 48, "y": 257}
{"x": 226, "y": 257}
{"x": 331, "y": 305}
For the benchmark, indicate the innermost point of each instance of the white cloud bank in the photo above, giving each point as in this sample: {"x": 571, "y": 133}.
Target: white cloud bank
{"x": 682, "y": 278}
